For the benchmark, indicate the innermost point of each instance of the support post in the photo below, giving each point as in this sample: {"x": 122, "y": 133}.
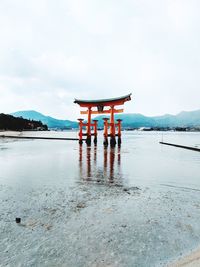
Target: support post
{"x": 112, "y": 128}
{"x": 95, "y": 131}
{"x": 80, "y": 131}
{"x": 88, "y": 139}
{"x": 119, "y": 132}
{"x": 105, "y": 131}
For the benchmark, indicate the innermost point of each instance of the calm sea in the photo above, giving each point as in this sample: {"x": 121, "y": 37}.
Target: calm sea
{"x": 141, "y": 161}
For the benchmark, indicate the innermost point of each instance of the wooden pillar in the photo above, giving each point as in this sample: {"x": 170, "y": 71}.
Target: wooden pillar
{"x": 105, "y": 131}
{"x": 88, "y": 139}
{"x": 112, "y": 128}
{"x": 95, "y": 131}
{"x": 119, "y": 132}
{"x": 80, "y": 131}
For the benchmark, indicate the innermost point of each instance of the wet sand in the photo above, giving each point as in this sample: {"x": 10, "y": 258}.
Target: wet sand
{"x": 97, "y": 225}
{"x": 86, "y": 207}
{"x": 191, "y": 260}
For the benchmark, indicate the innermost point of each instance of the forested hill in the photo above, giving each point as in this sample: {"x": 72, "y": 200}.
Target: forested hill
{"x": 9, "y": 122}
{"x": 49, "y": 121}
{"x": 132, "y": 120}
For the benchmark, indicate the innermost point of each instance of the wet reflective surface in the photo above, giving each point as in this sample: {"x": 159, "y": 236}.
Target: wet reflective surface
{"x": 81, "y": 206}
{"x": 107, "y": 172}
{"x": 141, "y": 160}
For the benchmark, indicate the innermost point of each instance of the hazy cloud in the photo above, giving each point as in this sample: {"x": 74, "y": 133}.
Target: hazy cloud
{"x": 53, "y": 51}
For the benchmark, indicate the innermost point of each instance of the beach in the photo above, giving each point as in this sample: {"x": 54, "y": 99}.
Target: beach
{"x": 191, "y": 260}
{"x": 86, "y": 207}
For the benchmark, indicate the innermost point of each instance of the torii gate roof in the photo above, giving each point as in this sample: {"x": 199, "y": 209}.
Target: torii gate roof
{"x": 103, "y": 102}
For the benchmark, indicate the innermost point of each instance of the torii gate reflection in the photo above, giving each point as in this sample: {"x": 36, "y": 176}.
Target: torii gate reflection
{"x": 109, "y": 173}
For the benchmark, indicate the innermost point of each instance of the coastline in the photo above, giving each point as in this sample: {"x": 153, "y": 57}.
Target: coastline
{"x": 191, "y": 259}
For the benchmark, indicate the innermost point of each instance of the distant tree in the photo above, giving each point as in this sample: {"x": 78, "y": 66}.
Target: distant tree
{"x": 8, "y": 122}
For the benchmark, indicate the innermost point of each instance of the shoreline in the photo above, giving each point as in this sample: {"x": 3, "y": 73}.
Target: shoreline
{"x": 191, "y": 259}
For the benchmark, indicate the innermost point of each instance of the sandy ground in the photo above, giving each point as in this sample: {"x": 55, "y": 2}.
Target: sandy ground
{"x": 191, "y": 260}
{"x": 94, "y": 222}
{"x": 96, "y": 225}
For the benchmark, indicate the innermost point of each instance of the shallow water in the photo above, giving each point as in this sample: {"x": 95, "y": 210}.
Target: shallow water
{"x": 141, "y": 160}
{"x": 137, "y": 205}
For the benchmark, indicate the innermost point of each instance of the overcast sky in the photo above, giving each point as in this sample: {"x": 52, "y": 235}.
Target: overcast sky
{"x": 52, "y": 51}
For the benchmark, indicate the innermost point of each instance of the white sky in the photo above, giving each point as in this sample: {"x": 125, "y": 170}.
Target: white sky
{"x": 52, "y": 51}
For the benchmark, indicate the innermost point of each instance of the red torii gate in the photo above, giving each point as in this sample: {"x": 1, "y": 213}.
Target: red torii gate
{"x": 99, "y": 106}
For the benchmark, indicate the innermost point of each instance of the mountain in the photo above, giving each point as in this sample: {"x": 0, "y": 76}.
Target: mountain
{"x": 129, "y": 120}
{"x": 183, "y": 119}
{"x": 49, "y": 121}
{"x": 133, "y": 120}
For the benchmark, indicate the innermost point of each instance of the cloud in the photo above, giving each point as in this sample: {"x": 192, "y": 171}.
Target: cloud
{"x": 53, "y": 51}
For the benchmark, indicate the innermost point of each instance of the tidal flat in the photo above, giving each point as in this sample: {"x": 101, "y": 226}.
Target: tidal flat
{"x": 138, "y": 205}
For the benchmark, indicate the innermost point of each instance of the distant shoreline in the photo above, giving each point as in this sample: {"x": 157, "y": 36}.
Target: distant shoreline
{"x": 190, "y": 260}
{"x": 142, "y": 129}
{"x": 182, "y": 121}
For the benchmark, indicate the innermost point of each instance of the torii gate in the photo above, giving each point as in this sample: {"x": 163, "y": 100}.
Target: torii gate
{"x": 99, "y": 109}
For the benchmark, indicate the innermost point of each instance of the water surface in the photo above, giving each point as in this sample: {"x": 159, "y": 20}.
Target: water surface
{"x": 81, "y": 206}
{"x": 141, "y": 160}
